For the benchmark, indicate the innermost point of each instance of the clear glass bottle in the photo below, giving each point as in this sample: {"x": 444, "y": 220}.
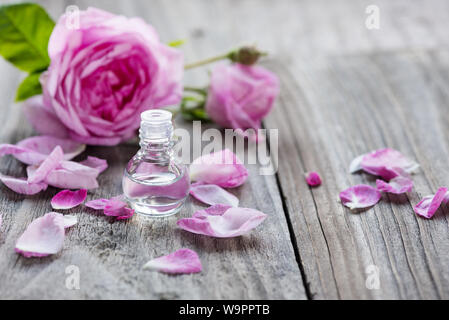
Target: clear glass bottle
{"x": 155, "y": 183}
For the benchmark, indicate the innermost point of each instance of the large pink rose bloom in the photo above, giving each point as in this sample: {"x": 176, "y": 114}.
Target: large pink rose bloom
{"x": 241, "y": 96}
{"x": 102, "y": 76}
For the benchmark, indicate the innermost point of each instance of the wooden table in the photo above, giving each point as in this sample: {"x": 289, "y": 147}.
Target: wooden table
{"x": 345, "y": 90}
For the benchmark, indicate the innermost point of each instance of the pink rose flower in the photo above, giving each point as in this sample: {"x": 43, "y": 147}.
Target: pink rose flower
{"x": 241, "y": 96}
{"x": 102, "y": 76}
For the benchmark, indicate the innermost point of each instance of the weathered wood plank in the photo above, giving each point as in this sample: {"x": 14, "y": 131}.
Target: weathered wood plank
{"x": 347, "y": 106}
{"x": 110, "y": 254}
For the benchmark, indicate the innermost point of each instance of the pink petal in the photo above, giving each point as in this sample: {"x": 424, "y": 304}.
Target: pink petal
{"x": 396, "y": 185}
{"x": 43, "y": 237}
{"x": 360, "y": 196}
{"x": 21, "y": 185}
{"x": 96, "y": 163}
{"x": 430, "y": 204}
{"x": 383, "y": 161}
{"x": 178, "y": 262}
{"x": 39, "y": 147}
{"x": 114, "y": 207}
{"x": 213, "y": 194}
{"x": 97, "y": 204}
{"x": 232, "y": 222}
{"x": 356, "y": 164}
{"x": 50, "y": 163}
{"x": 42, "y": 120}
{"x": 70, "y": 175}
{"x": 222, "y": 168}
{"x": 67, "y": 199}
{"x": 69, "y": 221}
{"x": 313, "y": 179}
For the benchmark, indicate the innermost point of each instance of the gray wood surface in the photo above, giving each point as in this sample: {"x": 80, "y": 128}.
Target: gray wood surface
{"x": 345, "y": 90}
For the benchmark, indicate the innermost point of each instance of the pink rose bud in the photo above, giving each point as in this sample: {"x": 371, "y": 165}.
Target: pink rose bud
{"x": 102, "y": 76}
{"x": 241, "y": 96}
{"x": 313, "y": 179}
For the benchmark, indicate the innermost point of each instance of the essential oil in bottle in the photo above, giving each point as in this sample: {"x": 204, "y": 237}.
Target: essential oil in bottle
{"x": 155, "y": 183}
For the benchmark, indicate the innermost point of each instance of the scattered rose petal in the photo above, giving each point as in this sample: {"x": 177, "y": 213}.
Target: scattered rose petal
{"x": 50, "y": 163}
{"x": 222, "y": 168}
{"x": 96, "y": 163}
{"x": 70, "y": 175}
{"x": 43, "y": 237}
{"x": 69, "y": 221}
{"x": 39, "y": 147}
{"x": 360, "y": 196}
{"x": 383, "y": 162}
{"x": 178, "y": 262}
{"x": 396, "y": 185}
{"x": 67, "y": 199}
{"x": 430, "y": 204}
{"x": 222, "y": 221}
{"x": 356, "y": 164}
{"x": 21, "y": 185}
{"x": 313, "y": 179}
{"x": 114, "y": 207}
{"x": 212, "y": 194}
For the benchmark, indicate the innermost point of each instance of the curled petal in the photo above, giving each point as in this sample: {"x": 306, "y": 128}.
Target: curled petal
{"x": 356, "y": 164}
{"x": 44, "y": 236}
{"x": 360, "y": 196}
{"x": 50, "y": 163}
{"x": 69, "y": 221}
{"x": 115, "y": 207}
{"x": 222, "y": 168}
{"x": 67, "y": 199}
{"x": 70, "y": 175}
{"x": 178, "y": 262}
{"x": 232, "y": 222}
{"x": 42, "y": 120}
{"x": 430, "y": 204}
{"x": 396, "y": 185}
{"x": 96, "y": 163}
{"x": 21, "y": 185}
{"x": 383, "y": 162}
{"x": 313, "y": 179}
{"x": 97, "y": 204}
{"x": 212, "y": 194}
{"x": 39, "y": 147}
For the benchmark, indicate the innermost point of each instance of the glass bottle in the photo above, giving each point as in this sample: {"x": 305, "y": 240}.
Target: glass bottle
{"x": 155, "y": 183}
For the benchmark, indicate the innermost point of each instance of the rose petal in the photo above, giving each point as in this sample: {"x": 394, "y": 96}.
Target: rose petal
{"x": 70, "y": 175}
{"x": 42, "y": 120}
{"x": 44, "y": 236}
{"x": 212, "y": 194}
{"x": 50, "y": 163}
{"x": 114, "y": 207}
{"x": 356, "y": 164}
{"x": 232, "y": 222}
{"x": 222, "y": 168}
{"x": 21, "y": 185}
{"x": 430, "y": 204}
{"x": 67, "y": 199}
{"x": 383, "y": 161}
{"x": 96, "y": 163}
{"x": 313, "y": 179}
{"x": 396, "y": 185}
{"x": 97, "y": 204}
{"x": 39, "y": 147}
{"x": 178, "y": 262}
{"x": 69, "y": 221}
{"x": 360, "y": 196}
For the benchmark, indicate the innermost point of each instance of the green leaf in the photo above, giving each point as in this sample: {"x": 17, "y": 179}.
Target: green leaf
{"x": 29, "y": 87}
{"x": 176, "y": 43}
{"x": 24, "y": 33}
